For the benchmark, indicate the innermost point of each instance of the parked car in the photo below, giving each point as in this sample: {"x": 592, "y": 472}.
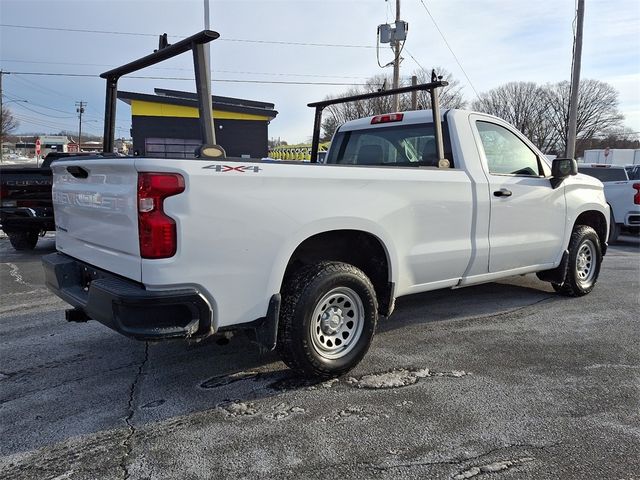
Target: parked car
{"x": 622, "y": 194}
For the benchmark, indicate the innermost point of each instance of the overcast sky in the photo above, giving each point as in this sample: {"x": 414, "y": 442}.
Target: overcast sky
{"x": 496, "y": 41}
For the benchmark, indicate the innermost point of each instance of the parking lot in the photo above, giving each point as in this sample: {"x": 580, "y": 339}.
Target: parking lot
{"x": 504, "y": 380}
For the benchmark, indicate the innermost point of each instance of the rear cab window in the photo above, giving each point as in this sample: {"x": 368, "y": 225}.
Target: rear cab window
{"x": 390, "y": 146}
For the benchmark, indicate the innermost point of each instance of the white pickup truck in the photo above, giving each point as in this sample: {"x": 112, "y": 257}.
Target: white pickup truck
{"x": 306, "y": 256}
{"x": 622, "y": 194}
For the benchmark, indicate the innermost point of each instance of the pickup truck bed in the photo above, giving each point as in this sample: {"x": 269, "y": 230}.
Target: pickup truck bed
{"x": 622, "y": 194}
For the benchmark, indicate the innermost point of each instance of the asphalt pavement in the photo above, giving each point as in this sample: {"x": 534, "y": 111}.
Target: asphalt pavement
{"x": 505, "y": 380}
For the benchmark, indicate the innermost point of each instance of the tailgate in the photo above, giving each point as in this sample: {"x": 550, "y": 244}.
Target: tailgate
{"x": 95, "y": 203}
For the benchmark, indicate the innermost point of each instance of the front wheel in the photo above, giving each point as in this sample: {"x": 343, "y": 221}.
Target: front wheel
{"x": 23, "y": 240}
{"x": 585, "y": 259}
{"x": 327, "y": 320}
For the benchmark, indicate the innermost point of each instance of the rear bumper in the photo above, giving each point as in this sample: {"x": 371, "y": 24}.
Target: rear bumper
{"x": 126, "y": 306}
{"x": 632, "y": 220}
{"x": 25, "y": 218}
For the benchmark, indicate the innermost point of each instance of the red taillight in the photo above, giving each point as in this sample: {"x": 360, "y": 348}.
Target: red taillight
{"x": 390, "y": 117}
{"x": 156, "y": 230}
{"x": 636, "y": 197}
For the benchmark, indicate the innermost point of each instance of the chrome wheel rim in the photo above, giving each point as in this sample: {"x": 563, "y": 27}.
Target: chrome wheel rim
{"x": 586, "y": 264}
{"x": 337, "y": 323}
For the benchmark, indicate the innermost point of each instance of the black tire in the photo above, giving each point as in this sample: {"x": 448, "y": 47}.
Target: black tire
{"x": 316, "y": 300}
{"x": 585, "y": 259}
{"x": 23, "y": 240}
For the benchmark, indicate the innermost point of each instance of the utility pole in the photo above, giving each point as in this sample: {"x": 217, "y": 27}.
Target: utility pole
{"x": 207, "y": 26}
{"x": 575, "y": 85}
{"x": 396, "y": 61}
{"x": 80, "y": 109}
{"x": 414, "y": 94}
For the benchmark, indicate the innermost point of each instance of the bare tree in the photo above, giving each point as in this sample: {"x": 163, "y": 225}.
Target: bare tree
{"x": 336, "y": 115}
{"x": 541, "y": 113}
{"x": 8, "y": 123}
{"x": 597, "y": 109}
{"x": 451, "y": 96}
{"x": 522, "y": 104}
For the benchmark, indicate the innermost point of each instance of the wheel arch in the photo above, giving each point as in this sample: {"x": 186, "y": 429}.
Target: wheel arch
{"x": 365, "y": 248}
{"x": 597, "y": 220}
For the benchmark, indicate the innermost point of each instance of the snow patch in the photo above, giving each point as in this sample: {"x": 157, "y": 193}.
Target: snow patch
{"x": 400, "y": 377}
{"x": 284, "y": 410}
{"x": 238, "y": 409}
{"x": 14, "y": 271}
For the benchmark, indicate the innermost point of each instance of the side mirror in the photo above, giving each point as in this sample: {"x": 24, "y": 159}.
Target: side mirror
{"x": 562, "y": 168}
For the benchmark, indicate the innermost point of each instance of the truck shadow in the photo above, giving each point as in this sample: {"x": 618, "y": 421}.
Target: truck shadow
{"x": 111, "y": 377}
{"x": 486, "y": 300}
{"x": 215, "y": 375}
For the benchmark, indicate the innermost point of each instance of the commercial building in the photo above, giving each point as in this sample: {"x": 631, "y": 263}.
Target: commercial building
{"x": 165, "y": 125}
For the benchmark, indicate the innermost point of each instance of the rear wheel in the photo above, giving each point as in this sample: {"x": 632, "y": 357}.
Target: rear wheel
{"x": 23, "y": 240}
{"x": 585, "y": 258}
{"x": 327, "y": 320}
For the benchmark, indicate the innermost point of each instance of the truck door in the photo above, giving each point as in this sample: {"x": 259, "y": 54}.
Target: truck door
{"x": 527, "y": 221}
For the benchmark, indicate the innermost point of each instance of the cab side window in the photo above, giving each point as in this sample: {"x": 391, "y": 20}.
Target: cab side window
{"x": 505, "y": 152}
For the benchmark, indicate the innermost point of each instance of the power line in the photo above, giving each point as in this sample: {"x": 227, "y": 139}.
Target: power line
{"x": 414, "y": 59}
{"x": 40, "y": 122}
{"x": 450, "y": 49}
{"x": 41, "y": 106}
{"x": 22, "y": 105}
{"x": 98, "y": 115}
{"x": 138, "y": 34}
{"x": 190, "y": 69}
{"x": 276, "y": 82}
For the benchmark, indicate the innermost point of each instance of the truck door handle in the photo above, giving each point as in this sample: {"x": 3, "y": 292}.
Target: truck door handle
{"x": 503, "y": 192}
{"x": 77, "y": 172}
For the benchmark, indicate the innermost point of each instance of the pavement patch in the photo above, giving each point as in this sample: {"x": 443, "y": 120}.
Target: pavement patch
{"x": 400, "y": 377}
{"x": 493, "y": 467}
{"x": 154, "y": 404}
{"x": 351, "y": 413}
{"x": 222, "y": 380}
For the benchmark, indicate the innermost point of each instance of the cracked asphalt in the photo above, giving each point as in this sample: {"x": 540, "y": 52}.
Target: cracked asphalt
{"x": 504, "y": 380}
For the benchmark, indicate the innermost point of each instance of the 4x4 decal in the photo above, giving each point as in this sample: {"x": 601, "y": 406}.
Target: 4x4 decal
{"x": 229, "y": 168}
